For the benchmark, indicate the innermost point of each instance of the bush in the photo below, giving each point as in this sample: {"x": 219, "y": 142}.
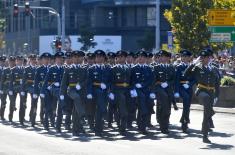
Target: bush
{"x": 227, "y": 81}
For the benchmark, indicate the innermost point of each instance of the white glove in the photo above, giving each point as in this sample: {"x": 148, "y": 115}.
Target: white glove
{"x": 197, "y": 61}
{"x": 176, "y": 95}
{"x": 10, "y": 92}
{"x": 164, "y": 85}
{"x": 57, "y": 84}
{"x": 111, "y": 96}
{"x": 61, "y": 97}
{"x": 35, "y": 96}
{"x": 103, "y": 86}
{"x": 21, "y": 81}
{"x": 78, "y": 87}
{"x": 133, "y": 93}
{"x": 138, "y": 85}
{"x": 152, "y": 95}
{"x": 215, "y": 101}
{"x": 186, "y": 86}
{"x": 42, "y": 95}
{"x": 49, "y": 87}
{"x": 22, "y": 93}
{"x": 1, "y": 92}
{"x": 89, "y": 96}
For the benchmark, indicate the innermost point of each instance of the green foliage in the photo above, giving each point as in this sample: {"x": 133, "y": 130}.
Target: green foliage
{"x": 227, "y": 81}
{"x": 148, "y": 41}
{"x": 2, "y": 25}
{"x": 86, "y": 38}
{"x": 188, "y": 19}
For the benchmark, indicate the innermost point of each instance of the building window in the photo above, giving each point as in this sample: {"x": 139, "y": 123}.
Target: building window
{"x": 9, "y": 23}
{"x": 128, "y": 17}
{"x": 141, "y": 16}
{"x": 151, "y": 16}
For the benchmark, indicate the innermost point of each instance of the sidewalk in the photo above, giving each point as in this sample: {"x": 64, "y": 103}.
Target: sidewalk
{"x": 217, "y": 109}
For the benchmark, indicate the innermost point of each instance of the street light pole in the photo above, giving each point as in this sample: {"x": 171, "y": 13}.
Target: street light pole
{"x": 63, "y": 24}
{"x": 158, "y": 25}
{"x": 51, "y": 10}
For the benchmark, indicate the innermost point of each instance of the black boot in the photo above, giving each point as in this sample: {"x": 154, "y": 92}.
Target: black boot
{"x": 10, "y": 117}
{"x": 184, "y": 127}
{"x": 205, "y": 139}
{"x": 2, "y": 114}
{"x": 175, "y": 107}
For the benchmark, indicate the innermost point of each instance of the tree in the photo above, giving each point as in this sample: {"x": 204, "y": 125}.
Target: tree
{"x": 189, "y": 22}
{"x": 2, "y": 25}
{"x": 87, "y": 38}
{"x": 148, "y": 41}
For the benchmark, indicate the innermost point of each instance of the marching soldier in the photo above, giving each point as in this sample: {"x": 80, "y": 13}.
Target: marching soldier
{"x": 50, "y": 92}
{"x": 120, "y": 89}
{"x": 207, "y": 88}
{"x": 184, "y": 87}
{"x": 112, "y": 108}
{"x": 4, "y": 84}
{"x": 141, "y": 79}
{"x": 39, "y": 78}
{"x": 27, "y": 82}
{"x": 164, "y": 76}
{"x": 98, "y": 86}
{"x": 90, "y": 105}
{"x": 131, "y": 101}
{"x": 149, "y": 62}
{"x": 68, "y": 107}
{"x": 16, "y": 78}
{"x": 73, "y": 84}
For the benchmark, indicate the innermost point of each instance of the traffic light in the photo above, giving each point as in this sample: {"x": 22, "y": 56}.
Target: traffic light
{"x": 27, "y": 9}
{"x": 16, "y": 10}
{"x": 58, "y": 44}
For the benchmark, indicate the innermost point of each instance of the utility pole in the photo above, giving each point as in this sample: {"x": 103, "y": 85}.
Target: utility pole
{"x": 63, "y": 24}
{"x": 158, "y": 25}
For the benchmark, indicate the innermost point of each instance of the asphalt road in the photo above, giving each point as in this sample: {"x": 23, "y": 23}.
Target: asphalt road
{"x": 15, "y": 140}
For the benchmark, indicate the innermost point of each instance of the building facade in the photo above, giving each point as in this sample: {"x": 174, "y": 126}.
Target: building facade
{"x": 129, "y": 19}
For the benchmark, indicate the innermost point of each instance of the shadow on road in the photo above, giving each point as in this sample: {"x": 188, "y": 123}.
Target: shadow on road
{"x": 112, "y": 134}
{"x": 216, "y": 146}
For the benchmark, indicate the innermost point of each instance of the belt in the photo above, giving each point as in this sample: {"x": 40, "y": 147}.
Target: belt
{"x": 205, "y": 87}
{"x": 18, "y": 80}
{"x": 96, "y": 83}
{"x": 122, "y": 84}
{"x": 72, "y": 84}
{"x": 184, "y": 82}
{"x": 158, "y": 82}
{"x": 30, "y": 81}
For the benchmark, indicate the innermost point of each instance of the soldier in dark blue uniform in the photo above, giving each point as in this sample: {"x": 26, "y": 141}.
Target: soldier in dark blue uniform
{"x": 112, "y": 108}
{"x": 149, "y": 62}
{"x": 141, "y": 79}
{"x": 90, "y": 103}
{"x": 50, "y": 91}
{"x": 27, "y": 82}
{"x": 4, "y": 83}
{"x": 184, "y": 87}
{"x": 98, "y": 86}
{"x": 131, "y": 101}
{"x": 68, "y": 107}
{"x": 74, "y": 84}
{"x": 207, "y": 90}
{"x": 164, "y": 76}
{"x": 120, "y": 89}
{"x": 16, "y": 78}
{"x": 39, "y": 78}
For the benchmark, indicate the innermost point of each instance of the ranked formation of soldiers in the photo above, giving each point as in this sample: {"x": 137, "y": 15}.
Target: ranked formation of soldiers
{"x": 94, "y": 89}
